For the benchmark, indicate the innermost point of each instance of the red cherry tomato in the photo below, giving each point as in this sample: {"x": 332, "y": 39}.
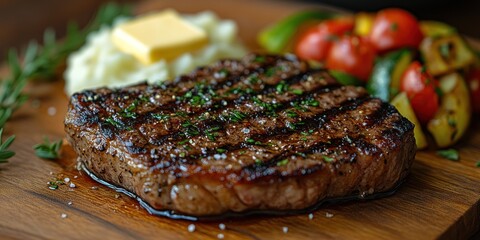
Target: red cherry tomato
{"x": 315, "y": 43}
{"x": 353, "y": 55}
{"x": 420, "y": 88}
{"x": 473, "y": 80}
{"x": 395, "y": 28}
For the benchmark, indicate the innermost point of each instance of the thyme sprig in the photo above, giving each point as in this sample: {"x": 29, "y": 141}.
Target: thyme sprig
{"x": 42, "y": 62}
{"x": 48, "y": 150}
{"x": 4, "y": 152}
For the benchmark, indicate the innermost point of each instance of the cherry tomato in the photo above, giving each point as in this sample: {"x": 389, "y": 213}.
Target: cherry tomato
{"x": 395, "y": 28}
{"x": 421, "y": 88}
{"x": 353, "y": 55}
{"x": 473, "y": 80}
{"x": 315, "y": 43}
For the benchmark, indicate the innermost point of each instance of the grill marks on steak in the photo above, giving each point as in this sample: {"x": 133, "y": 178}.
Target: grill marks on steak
{"x": 249, "y": 121}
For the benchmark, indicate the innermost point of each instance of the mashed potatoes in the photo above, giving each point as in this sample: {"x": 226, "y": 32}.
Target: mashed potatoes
{"x": 99, "y": 63}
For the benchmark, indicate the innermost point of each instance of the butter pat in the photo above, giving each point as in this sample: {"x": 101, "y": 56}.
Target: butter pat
{"x": 163, "y": 35}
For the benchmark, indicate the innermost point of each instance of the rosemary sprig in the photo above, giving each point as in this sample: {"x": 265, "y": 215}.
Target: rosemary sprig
{"x": 48, "y": 150}
{"x": 42, "y": 62}
{"x": 4, "y": 152}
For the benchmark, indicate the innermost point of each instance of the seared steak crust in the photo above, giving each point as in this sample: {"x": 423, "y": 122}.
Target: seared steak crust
{"x": 263, "y": 132}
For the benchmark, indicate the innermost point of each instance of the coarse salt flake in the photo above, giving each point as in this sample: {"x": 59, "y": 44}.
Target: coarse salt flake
{"x": 52, "y": 111}
{"x": 221, "y": 226}
{"x": 191, "y": 228}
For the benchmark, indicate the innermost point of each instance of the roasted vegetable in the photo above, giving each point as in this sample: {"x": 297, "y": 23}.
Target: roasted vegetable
{"x": 473, "y": 81}
{"x": 352, "y": 54}
{"x": 446, "y": 54}
{"x": 386, "y": 74}
{"x": 393, "y": 29}
{"x": 277, "y": 37}
{"x": 402, "y": 104}
{"x": 422, "y": 90}
{"x": 363, "y": 23}
{"x": 436, "y": 29}
{"x": 345, "y": 78}
{"x": 453, "y": 117}
{"x": 316, "y": 41}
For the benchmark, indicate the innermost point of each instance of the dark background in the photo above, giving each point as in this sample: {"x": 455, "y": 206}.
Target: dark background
{"x": 23, "y": 20}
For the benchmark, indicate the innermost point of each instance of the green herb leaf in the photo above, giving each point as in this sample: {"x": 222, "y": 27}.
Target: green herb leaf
{"x": 450, "y": 154}
{"x": 477, "y": 164}
{"x": 282, "y": 162}
{"x": 296, "y": 91}
{"x": 53, "y": 185}
{"x": 236, "y": 116}
{"x": 47, "y": 149}
{"x": 327, "y": 158}
{"x": 5, "y": 153}
{"x": 221, "y": 150}
{"x": 42, "y": 62}
{"x": 259, "y": 59}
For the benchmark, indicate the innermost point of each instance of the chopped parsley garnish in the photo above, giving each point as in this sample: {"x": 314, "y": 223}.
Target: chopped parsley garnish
{"x": 183, "y": 142}
{"x": 161, "y": 117}
{"x": 259, "y": 59}
{"x": 211, "y": 133}
{"x": 301, "y": 154}
{"x": 236, "y": 116}
{"x": 306, "y": 133}
{"x": 182, "y": 154}
{"x": 282, "y": 162}
{"x": 53, "y": 185}
{"x": 269, "y": 107}
{"x": 200, "y": 95}
{"x": 221, "y": 150}
{"x": 128, "y": 112}
{"x": 310, "y": 102}
{"x": 47, "y": 149}
{"x": 253, "y": 79}
{"x": 477, "y": 164}
{"x": 181, "y": 114}
{"x": 190, "y": 130}
{"x": 282, "y": 87}
{"x": 111, "y": 120}
{"x": 296, "y": 91}
{"x": 271, "y": 71}
{"x": 291, "y": 113}
{"x": 223, "y": 72}
{"x": 294, "y": 126}
{"x": 327, "y": 158}
{"x": 258, "y": 162}
{"x": 450, "y": 154}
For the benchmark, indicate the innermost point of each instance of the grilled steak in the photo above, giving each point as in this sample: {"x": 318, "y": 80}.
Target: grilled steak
{"x": 263, "y": 132}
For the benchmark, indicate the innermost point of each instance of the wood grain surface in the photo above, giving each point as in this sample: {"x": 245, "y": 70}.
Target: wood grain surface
{"x": 440, "y": 199}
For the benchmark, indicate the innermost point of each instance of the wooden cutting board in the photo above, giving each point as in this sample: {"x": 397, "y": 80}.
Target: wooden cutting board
{"x": 440, "y": 199}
